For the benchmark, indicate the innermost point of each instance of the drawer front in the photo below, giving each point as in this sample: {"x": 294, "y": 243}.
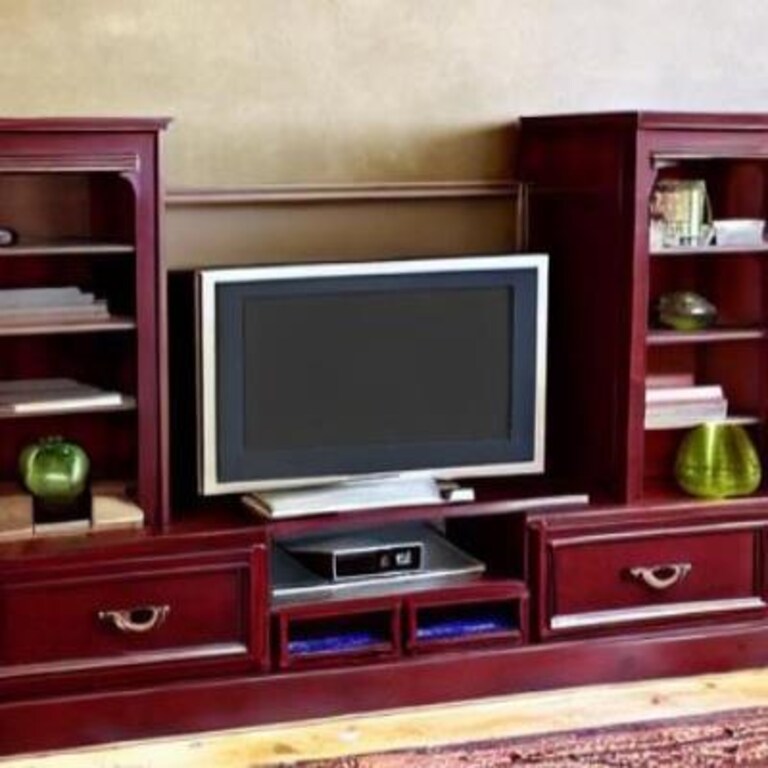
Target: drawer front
{"x": 159, "y": 611}
{"x": 655, "y": 576}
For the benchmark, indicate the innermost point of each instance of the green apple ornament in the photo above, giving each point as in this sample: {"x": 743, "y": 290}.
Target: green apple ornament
{"x": 54, "y": 469}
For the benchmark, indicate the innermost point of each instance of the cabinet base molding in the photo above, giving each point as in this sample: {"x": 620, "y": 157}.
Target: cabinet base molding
{"x": 245, "y": 701}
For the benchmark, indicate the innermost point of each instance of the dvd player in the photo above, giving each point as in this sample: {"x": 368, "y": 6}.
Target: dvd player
{"x": 354, "y": 558}
{"x": 396, "y": 558}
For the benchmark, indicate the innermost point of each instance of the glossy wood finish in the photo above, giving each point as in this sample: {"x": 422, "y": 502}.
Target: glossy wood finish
{"x": 591, "y": 178}
{"x": 84, "y": 197}
{"x": 241, "y": 701}
{"x": 59, "y": 618}
{"x": 610, "y": 580}
{"x": 54, "y": 641}
{"x": 171, "y": 629}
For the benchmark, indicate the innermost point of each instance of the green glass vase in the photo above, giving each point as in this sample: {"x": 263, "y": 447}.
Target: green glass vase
{"x": 717, "y": 460}
{"x": 54, "y": 469}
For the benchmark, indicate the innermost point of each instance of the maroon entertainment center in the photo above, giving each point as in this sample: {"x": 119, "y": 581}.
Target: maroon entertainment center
{"x": 170, "y": 629}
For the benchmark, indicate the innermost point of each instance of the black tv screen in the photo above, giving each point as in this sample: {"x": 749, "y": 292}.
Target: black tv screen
{"x": 316, "y": 373}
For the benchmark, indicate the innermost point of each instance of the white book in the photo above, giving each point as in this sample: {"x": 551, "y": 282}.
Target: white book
{"x": 89, "y": 306}
{"x": 686, "y": 415}
{"x": 105, "y": 400}
{"x": 53, "y": 315}
{"x": 657, "y": 380}
{"x": 23, "y": 298}
{"x": 683, "y": 394}
{"x": 41, "y": 395}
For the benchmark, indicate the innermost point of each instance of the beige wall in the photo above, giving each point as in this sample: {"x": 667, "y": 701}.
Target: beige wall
{"x": 333, "y": 90}
{"x": 294, "y": 91}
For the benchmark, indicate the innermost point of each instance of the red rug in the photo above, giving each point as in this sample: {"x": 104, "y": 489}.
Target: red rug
{"x": 737, "y": 738}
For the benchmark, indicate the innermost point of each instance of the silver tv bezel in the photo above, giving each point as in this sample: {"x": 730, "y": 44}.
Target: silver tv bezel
{"x": 207, "y": 280}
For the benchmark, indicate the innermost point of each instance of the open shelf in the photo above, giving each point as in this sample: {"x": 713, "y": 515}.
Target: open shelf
{"x": 489, "y": 612}
{"x": 107, "y": 436}
{"x": 660, "y": 337}
{"x": 489, "y": 506}
{"x": 83, "y": 200}
{"x": 355, "y": 631}
{"x": 304, "y": 567}
{"x": 64, "y": 247}
{"x": 484, "y": 613}
{"x": 744, "y": 421}
{"x": 612, "y": 249}
{"x": 710, "y": 250}
{"x": 108, "y": 325}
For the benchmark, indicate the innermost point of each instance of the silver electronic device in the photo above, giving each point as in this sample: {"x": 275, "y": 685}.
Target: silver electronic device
{"x": 395, "y": 558}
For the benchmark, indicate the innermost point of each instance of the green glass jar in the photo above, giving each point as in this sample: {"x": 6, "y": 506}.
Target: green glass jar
{"x": 718, "y": 460}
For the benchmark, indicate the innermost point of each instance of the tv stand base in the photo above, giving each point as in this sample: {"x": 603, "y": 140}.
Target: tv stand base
{"x": 348, "y": 496}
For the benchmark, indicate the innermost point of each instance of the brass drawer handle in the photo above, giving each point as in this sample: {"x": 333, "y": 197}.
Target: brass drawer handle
{"x": 136, "y": 620}
{"x": 660, "y": 577}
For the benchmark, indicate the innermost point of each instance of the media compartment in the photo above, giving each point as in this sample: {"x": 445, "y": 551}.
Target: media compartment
{"x": 337, "y": 633}
{"x": 489, "y": 613}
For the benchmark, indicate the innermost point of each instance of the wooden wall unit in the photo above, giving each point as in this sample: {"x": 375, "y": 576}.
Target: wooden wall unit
{"x": 173, "y": 628}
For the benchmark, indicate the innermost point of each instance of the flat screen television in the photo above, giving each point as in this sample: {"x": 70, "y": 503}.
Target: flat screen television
{"x": 328, "y": 373}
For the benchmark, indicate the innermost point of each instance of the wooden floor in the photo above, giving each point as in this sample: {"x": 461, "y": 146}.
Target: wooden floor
{"x": 514, "y": 715}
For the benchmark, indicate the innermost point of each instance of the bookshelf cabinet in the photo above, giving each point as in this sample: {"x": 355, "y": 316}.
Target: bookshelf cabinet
{"x": 82, "y": 196}
{"x": 592, "y": 181}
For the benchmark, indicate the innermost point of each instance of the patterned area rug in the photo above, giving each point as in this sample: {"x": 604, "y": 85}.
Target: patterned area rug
{"x": 738, "y": 738}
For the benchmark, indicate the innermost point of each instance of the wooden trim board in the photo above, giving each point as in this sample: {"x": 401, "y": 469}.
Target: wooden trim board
{"x": 330, "y": 193}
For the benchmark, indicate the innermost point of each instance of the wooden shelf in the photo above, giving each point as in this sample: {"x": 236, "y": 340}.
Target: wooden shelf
{"x": 65, "y": 248}
{"x": 711, "y": 250}
{"x": 710, "y": 335}
{"x": 373, "y": 518}
{"x": 109, "y": 325}
{"x": 744, "y": 421}
{"x": 664, "y": 493}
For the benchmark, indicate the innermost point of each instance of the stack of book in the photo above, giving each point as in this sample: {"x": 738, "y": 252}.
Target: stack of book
{"x": 68, "y": 304}
{"x": 670, "y": 407}
{"x": 20, "y": 397}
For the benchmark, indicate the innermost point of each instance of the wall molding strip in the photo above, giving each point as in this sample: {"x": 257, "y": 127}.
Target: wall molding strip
{"x": 333, "y": 193}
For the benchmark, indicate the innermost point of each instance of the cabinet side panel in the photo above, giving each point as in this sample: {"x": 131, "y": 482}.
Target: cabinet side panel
{"x": 578, "y": 215}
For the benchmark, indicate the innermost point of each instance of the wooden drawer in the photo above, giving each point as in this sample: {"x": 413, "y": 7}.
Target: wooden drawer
{"x": 137, "y": 612}
{"x": 665, "y": 575}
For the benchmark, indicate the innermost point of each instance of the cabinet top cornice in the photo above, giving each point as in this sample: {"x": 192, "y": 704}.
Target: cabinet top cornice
{"x": 657, "y": 120}
{"x": 84, "y": 124}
